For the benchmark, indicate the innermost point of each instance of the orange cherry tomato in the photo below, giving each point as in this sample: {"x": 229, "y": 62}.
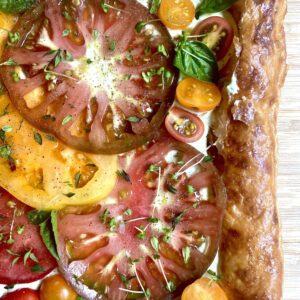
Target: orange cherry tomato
{"x": 200, "y": 95}
{"x": 203, "y": 289}
{"x": 55, "y": 287}
{"x": 176, "y": 14}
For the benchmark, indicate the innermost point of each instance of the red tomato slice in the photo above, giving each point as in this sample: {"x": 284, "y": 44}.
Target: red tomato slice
{"x": 107, "y": 87}
{"x": 18, "y": 237}
{"x": 183, "y": 125}
{"x": 217, "y": 34}
{"x": 22, "y": 294}
{"x": 157, "y": 231}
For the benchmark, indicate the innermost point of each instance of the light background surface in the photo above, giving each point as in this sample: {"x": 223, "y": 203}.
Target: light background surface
{"x": 289, "y": 156}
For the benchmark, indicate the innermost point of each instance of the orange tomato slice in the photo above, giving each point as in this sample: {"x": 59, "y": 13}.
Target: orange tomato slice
{"x": 200, "y": 95}
{"x": 176, "y": 14}
{"x": 204, "y": 289}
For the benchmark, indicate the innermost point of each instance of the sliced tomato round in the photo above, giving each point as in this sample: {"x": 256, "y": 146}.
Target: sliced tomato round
{"x": 183, "y": 125}
{"x": 23, "y": 256}
{"x": 216, "y": 33}
{"x": 98, "y": 77}
{"x": 22, "y": 294}
{"x": 156, "y": 232}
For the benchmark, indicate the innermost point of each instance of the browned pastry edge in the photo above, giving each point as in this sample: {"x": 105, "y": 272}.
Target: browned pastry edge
{"x": 251, "y": 263}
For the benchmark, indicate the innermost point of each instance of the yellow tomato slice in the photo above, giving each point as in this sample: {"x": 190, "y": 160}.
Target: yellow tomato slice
{"x": 176, "y": 14}
{"x": 50, "y": 175}
{"x": 201, "y": 95}
{"x": 203, "y": 289}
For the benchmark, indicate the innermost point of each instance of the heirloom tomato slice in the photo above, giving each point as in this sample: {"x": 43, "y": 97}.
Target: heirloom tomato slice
{"x": 157, "y": 232}
{"x": 91, "y": 73}
{"x": 23, "y": 256}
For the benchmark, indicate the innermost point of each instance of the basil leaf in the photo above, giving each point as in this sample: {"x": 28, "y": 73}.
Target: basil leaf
{"x": 195, "y": 59}
{"x": 47, "y": 234}
{"x": 37, "y": 217}
{"x": 212, "y": 6}
{"x": 54, "y": 226}
{"x": 154, "y": 6}
{"x": 15, "y": 6}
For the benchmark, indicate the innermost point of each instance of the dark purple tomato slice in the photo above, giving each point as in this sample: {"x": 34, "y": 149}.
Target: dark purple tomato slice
{"x": 183, "y": 125}
{"x": 217, "y": 34}
{"x": 156, "y": 232}
{"x": 23, "y": 256}
{"x": 89, "y": 75}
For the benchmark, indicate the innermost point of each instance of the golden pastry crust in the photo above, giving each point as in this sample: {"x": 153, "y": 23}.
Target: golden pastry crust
{"x": 251, "y": 263}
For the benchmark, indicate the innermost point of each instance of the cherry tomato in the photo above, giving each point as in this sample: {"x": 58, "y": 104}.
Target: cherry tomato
{"x": 204, "y": 289}
{"x": 184, "y": 126}
{"x": 217, "y": 35}
{"x": 200, "y": 95}
{"x": 55, "y": 287}
{"x": 22, "y": 294}
{"x": 176, "y": 14}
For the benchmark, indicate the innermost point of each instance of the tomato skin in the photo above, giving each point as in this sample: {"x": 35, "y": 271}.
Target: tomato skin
{"x": 55, "y": 287}
{"x": 199, "y": 95}
{"x": 176, "y": 14}
{"x": 204, "y": 289}
{"x": 170, "y": 122}
{"x": 219, "y": 35}
{"x": 22, "y": 294}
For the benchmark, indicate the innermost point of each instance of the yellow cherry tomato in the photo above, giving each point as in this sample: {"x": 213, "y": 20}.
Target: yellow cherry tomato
{"x": 176, "y": 14}
{"x": 201, "y": 95}
{"x": 55, "y": 287}
{"x": 204, "y": 289}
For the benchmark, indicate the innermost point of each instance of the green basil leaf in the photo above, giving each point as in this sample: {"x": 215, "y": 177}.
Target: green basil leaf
{"x": 212, "y": 6}
{"x": 154, "y": 6}
{"x": 37, "y": 217}
{"x": 195, "y": 59}
{"x": 47, "y": 234}
{"x": 54, "y": 226}
{"x": 15, "y": 6}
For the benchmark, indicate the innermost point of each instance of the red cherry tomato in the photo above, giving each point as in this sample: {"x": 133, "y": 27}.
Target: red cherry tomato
{"x": 184, "y": 126}
{"x": 55, "y": 287}
{"x": 217, "y": 35}
{"x": 22, "y": 294}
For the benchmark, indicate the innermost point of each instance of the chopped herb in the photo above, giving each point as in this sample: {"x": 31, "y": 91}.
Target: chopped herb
{"x": 152, "y": 220}
{"x": 128, "y": 212}
{"x": 180, "y": 163}
{"x": 112, "y": 45}
{"x": 133, "y": 119}
{"x": 104, "y": 6}
{"x": 140, "y": 26}
{"x": 9, "y": 286}
{"x": 95, "y": 34}
{"x": 14, "y": 37}
{"x": 7, "y": 128}
{"x": 89, "y": 61}
{"x": 186, "y": 253}
{"x": 20, "y": 229}
{"x": 155, "y": 243}
{"x": 15, "y": 76}
{"x": 79, "y": 298}
{"x": 167, "y": 234}
{"x": 66, "y": 32}
{"x": 70, "y": 195}
{"x": 37, "y": 269}
{"x": 112, "y": 224}
{"x": 37, "y": 217}
{"x": 142, "y": 233}
{"x": 68, "y": 183}
{"x": 153, "y": 169}
{"x": 171, "y": 189}
{"x": 123, "y": 279}
{"x": 38, "y": 138}
{"x": 190, "y": 189}
{"x": 67, "y": 16}
{"x": 129, "y": 57}
{"x": 103, "y": 217}
{"x": 15, "y": 260}
{"x": 29, "y": 254}
{"x": 176, "y": 220}
{"x": 9, "y": 62}
{"x": 154, "y": 6}
{"x": 162, "y": 49}
{"x": 5, "y": 151}
{"x": 49, "y": 117}
{"x": 213, "y": 275}
{"x": 49, "y": 76}
{"x": 156, "y": 256}
{"x": 51, "y": 138}
{"x": 10, "y": 252}
{"x": 77, "y": 179}
{"x": 207, "y": 158}
{"x": 124, "y": 175}
{"x": 67, "y": 119}
{"x": 171, "y": 286}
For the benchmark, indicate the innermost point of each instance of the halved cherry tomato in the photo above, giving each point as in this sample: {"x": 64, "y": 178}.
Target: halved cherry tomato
{"x": 22, "y": 294}
{"x": 217, "y": 35}
{"x": 184, "y": 126}
{"x": 176, "y": 14}
{"x": 204, "y": 289}
{"x": 55, "y": 287}
{"x": 201, "y": 95}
